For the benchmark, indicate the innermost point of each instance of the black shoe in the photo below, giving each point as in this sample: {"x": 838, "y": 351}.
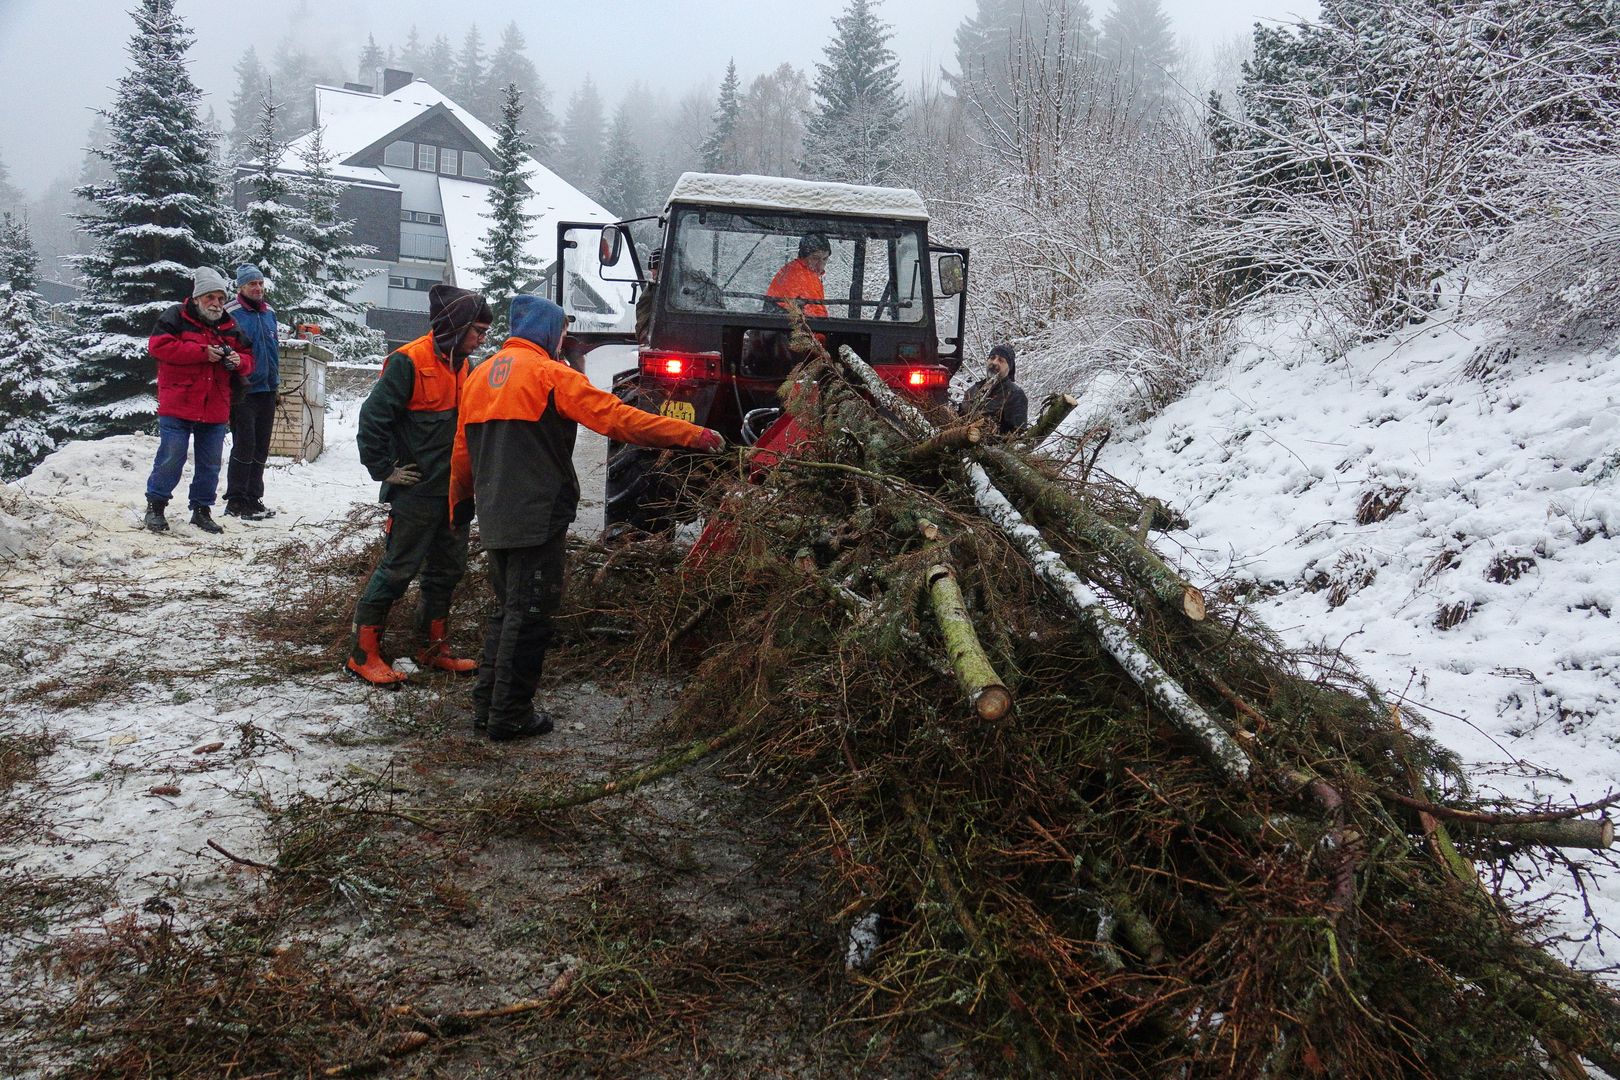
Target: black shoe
{"x": 243, "y": 510}
{"x": 262, "y": 510}
{"x": 204, "y": 520}
{"x": 539, "y": 723}
{"x": 154, "y": 518}
{"x": 480, "y": 722}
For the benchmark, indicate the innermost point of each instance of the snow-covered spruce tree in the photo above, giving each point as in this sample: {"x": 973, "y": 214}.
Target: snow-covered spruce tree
{"x": 274, "y": 223}
{"x": 372, "y": 60}
{"x": 623, "y": 185}
{"x": 331, "y": 272}
{"x": 10, "y": 197}
{"x": 467, "y": 77}
{"x": 851, "y": 136}
{"x": 1004, "y": 37}
{"x": 1138, "y": 44}
{"x": 252, "y": 86}
{"x": 157, "y": 219}
{"x": 579, "y": 159}
{"x": 508, "y": 65}
{"x": 439, "y": 63}
{"x": 503, "y": 255}
{"x": 31, "y": 361}
{"x": 720, "y": 148}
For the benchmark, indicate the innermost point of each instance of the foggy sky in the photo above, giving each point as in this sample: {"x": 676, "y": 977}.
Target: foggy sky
{"x": 59, "y": 59}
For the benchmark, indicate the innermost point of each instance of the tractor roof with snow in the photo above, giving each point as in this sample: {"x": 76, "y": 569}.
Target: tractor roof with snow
{"x": 711, "y": 326}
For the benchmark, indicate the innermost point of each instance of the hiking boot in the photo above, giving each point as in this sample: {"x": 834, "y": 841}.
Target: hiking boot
{"x": 259, "y": 508}
{"x": 366, "y": 661}
{"x": 538, "y": 723}
{"x": 154, "y": 518}
{"x": 436, "y": 654}
{"x": 243, "y": 510}
{"x": 203, "y": 518}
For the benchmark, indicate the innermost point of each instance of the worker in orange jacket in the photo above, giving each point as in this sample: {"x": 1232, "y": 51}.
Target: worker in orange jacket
{"x": 800, "y": 278}
{"x": 514, "y": 463}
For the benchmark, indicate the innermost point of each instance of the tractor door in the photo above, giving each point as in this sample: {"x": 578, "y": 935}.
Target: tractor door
{"x": 597, "y": 293}
{"x": 949, "y": 267}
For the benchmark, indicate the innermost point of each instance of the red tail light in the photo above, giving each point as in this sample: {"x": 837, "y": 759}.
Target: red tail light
{"x": 676, "y": 365}
{"x": 916, "y": 379}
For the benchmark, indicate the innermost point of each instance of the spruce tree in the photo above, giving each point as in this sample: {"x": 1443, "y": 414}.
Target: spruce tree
{"x": 439, "y": 63}
{"x": 372, "y": 61}
{"x": 331, "y": 272}
{"x": 251, "y": 85}
{"x": 273, "y": 225}
{"x": 31, "y": 365}
{"x": 1139, "y": 44}
{"x": 720, "y": 148}
{"x": 623, "y": 184}
{"x": 10, "y": 197}
{"x": 157, "y": 219}
{"x": 854, "y": 131}
{"x": 411, "y": 56}
{"x": 580, "y": 157}
{"x": 503, "y": 256}
{"x": 510, "y": 65}
{"x": 295, "y": 72}
{"x": 467, "y": 78}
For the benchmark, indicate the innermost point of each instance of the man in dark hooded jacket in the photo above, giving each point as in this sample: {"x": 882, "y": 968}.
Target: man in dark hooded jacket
{"x": 407, "y": 429}
{"x": 997, "y": 397}
{"x": 514, "y": 460}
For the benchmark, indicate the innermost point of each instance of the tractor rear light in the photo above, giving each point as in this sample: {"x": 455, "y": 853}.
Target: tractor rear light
{"x": 917, "y": 378}
{"x": 680, "y": 365}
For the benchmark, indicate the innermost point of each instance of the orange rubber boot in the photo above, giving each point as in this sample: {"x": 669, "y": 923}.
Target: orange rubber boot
{"x": 366, "y": 662}
{"x": 437, "y": 652}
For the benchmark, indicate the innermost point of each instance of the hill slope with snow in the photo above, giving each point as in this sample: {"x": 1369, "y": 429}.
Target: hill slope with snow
{"x": 1442, "y": 506}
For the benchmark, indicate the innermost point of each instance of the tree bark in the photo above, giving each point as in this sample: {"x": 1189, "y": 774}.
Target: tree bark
{"x": 974, "y": 673}
{"x": 1053, "y": 412}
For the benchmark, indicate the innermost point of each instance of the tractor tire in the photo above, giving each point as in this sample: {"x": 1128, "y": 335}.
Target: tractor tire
{"x": 638, "y": 494}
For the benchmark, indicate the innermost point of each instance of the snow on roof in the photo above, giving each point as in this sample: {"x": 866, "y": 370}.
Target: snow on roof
{"x": 354, "y": 120}
{"x": 466, "y": 219}
{"x": 782, "y": 193}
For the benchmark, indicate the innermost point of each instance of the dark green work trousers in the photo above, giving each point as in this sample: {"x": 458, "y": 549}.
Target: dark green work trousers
{"x": 420, "y": 543}
{"x": 528, "y": 584}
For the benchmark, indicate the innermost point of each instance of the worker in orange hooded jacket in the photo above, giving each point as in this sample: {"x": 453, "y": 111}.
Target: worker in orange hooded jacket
{"x": 514, "y": 463}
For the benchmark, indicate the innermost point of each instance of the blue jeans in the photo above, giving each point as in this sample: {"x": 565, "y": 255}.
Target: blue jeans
{"x": 173, "y": 436}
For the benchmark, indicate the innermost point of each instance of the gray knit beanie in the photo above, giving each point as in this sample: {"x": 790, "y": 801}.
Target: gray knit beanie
{"x": 206, "y": 280}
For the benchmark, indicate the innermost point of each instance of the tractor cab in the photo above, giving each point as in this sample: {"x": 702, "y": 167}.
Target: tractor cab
{"x": 734, "y": 250}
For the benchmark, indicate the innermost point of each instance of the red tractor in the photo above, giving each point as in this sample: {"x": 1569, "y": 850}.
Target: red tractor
{"x": 713, "y": 342}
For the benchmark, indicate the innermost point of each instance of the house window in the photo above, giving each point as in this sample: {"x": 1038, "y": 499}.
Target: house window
{"x": 427, "y": 157}
{"x": 447, "y": 161}
{"x": 474, "y": 165}
{"x": 422, "y": 216}
{"x": 400, "y": 154}
{"x": 415, "y": 284}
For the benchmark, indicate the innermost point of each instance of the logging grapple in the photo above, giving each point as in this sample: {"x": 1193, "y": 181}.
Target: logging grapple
{"x": 713, "y": 346}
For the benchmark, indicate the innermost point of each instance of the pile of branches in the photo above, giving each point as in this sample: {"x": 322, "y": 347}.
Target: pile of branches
{"x": 1101, "y": 824}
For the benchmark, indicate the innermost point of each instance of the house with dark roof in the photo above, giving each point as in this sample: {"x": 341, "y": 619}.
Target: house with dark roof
{"x": 416, "y": 173}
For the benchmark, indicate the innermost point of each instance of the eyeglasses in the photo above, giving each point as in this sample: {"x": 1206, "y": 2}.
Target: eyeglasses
{"x": 481, "y": 331}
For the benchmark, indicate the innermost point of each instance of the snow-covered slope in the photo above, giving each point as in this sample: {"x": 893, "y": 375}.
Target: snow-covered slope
{"x": 1442, "y": 506}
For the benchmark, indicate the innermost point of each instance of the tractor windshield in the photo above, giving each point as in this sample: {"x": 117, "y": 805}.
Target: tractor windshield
{"x": 743, "y": 261}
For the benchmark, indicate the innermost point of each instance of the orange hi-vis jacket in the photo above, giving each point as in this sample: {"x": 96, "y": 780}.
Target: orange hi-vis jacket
{"x": 409, "y": 418}
{"x": 796, "y": 281}
{"x": 514, "y": 453}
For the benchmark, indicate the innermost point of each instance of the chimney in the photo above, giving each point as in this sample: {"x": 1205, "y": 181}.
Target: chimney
{"x": 361, "y": 87}
{"x": 395, "y": 79}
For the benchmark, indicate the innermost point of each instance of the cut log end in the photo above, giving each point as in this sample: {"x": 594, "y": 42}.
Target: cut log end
{"x": 928, "y": 531}
{"x": 993, "y": 702}
{"x": 1192, "y": 604}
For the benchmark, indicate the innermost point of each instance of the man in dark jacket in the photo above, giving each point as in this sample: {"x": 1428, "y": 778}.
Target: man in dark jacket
{"x": 407, "y": 428}
{"x": 997, "y": 397}
{"x": 253, "y": 416}
{"x": 197, "y": 347}
{"x": 514, "y": 460}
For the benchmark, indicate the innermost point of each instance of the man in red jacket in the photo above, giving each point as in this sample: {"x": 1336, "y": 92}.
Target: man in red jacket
{"x": 514, "y": 451}
{"x": 197, "y": 348}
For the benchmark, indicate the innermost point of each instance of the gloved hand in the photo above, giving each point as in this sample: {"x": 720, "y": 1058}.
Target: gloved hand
{"x": 712, "y": 443}
{"x": 403, "y": 475}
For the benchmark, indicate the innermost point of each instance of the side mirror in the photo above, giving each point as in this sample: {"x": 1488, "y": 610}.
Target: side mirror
{"x": 611, "y": 246}
{"x": 950, "y": 275}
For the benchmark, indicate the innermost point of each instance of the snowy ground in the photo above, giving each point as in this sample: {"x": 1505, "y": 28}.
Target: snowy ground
{"x": 1444, "y": 509}
{"x": 167, "y": 753}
